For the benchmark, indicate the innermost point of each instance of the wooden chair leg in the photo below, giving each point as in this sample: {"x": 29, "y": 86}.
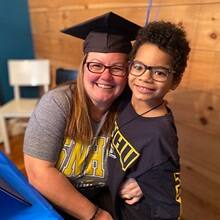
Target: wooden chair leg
{"x": 3, "y": 127}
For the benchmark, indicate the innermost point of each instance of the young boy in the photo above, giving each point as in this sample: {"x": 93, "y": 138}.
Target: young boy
{"x": 145, "y": 143}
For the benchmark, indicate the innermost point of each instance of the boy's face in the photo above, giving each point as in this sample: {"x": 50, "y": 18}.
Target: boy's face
{"x": 146, "y": 87}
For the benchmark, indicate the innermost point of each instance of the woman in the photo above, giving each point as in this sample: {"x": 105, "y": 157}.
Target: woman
{"x": 65, "y": 146}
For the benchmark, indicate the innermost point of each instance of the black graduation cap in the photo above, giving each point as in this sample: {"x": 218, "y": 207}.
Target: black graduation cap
{"x": 106, "y": 33}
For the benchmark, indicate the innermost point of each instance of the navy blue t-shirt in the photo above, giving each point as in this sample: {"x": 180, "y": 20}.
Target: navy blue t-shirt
{"x": 146, "y": 148}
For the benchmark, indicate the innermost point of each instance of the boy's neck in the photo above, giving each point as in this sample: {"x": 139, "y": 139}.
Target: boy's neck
{"x": 149, "y": 109}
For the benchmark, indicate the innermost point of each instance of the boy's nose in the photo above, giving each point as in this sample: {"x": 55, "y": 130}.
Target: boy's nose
{"x": 147, "y": 75}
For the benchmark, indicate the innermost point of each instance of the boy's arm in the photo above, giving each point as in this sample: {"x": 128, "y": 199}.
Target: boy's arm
{"x": 161, "y": 189}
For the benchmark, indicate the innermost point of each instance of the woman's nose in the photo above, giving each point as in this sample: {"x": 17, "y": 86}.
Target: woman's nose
{"x": 106, "y": 74}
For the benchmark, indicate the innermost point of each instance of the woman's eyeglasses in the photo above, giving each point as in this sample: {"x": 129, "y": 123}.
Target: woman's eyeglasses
{"x": 99, "y": 68}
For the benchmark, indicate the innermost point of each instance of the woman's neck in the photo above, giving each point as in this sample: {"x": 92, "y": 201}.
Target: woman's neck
{"x": 97, "y": 113}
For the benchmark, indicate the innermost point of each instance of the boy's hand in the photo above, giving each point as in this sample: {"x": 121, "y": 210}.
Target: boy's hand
{"x": 130, "y": 191}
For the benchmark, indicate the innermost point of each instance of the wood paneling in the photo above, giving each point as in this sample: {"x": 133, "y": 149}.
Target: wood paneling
{"x": 202, "y": 70}
{"x": 204, "y": 190}
{"x": 198, "y": 209}
{"x": 197, "y": 109}
{"x": 196, "y": 103}
{"x": 208, "y": 28}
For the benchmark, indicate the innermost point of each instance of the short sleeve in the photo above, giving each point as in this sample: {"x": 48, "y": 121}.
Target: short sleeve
{"x": 45, "y": 131}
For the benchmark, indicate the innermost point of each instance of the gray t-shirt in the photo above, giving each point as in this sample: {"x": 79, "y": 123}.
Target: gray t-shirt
{"x": 44, "y": 135}
{"x": 45, "y": 139}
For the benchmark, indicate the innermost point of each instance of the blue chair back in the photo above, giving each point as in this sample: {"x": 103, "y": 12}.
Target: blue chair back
{"x": 65, "y": 75}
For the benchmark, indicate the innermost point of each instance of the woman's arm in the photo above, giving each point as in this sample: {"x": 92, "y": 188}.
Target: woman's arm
{"x": 55, "y": 187}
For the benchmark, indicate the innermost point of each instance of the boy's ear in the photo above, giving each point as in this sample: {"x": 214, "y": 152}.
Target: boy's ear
{"x": 175, "y": 84}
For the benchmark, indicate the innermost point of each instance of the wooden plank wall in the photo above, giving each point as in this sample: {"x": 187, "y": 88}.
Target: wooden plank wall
{"x": 196, "y": 103}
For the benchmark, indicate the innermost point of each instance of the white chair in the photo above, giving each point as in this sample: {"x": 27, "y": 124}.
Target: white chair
{"x": 34, "y": 72}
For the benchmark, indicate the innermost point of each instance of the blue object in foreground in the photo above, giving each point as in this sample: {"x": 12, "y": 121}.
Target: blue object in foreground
{"x": 18, "y": 199}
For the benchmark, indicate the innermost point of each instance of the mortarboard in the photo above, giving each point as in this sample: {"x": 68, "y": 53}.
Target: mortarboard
{"x": 106, "y": 33}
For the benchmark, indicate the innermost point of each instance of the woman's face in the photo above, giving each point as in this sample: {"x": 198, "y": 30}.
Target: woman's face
{"x": 103, "y": 88}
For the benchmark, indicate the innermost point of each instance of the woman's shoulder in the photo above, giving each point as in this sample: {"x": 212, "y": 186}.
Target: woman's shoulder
{"x": 57, "y": 98}
{"x": 58, "y": 94}
{"x": 62, "y": 91}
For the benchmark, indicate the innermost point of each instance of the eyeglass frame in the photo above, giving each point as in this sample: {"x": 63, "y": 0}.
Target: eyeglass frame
{"x": 150, "y": 68}
{"x": 109, "y": 68}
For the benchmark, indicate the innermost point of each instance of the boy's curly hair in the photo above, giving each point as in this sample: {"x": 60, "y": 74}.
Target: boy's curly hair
{"x": 168, "y": 37}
